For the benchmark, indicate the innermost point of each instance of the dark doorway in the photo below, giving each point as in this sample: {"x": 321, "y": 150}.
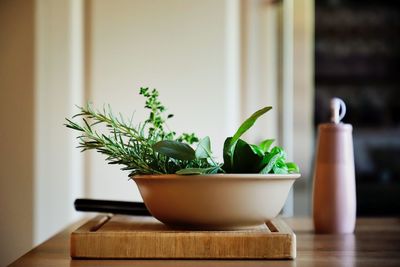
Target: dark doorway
{"x": 357, "y": 58}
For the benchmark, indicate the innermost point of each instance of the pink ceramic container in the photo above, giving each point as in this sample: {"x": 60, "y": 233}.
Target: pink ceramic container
{"x": 334, "y": 193}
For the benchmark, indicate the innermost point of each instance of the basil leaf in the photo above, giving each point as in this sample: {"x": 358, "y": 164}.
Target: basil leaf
{"x": 257, "y": 150}
{"x": 245, "y": 159}
{"x": 175, "y": 149}
{"x": 266, "y": 144}
{"x": 228, "y": 155}
{"x": 248, "y": 123}
{"x": 230, "y": 142}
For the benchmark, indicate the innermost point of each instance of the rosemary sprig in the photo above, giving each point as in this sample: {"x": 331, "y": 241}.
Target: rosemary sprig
{"x": 132, "y": 146}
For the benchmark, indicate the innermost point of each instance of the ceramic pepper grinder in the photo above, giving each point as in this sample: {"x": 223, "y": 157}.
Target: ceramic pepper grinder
{"x": 334, "y": 192}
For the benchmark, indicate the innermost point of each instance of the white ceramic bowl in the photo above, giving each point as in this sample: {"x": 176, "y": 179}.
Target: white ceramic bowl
{"x": 217, "y": 201}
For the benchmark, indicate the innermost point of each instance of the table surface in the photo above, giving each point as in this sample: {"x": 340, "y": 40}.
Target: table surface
{"x": 376, "y": 242}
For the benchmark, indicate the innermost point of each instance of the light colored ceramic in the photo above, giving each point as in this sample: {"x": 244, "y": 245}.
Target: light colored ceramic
{"x": 216, "y": 201}
{"x": 334, "y": 193}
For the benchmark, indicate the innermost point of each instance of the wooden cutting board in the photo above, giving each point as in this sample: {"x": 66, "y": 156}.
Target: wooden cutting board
{"x": 132, "y": 237}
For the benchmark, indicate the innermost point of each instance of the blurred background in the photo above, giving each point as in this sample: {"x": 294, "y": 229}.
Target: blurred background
{"x": 357, "y": 58}
{"x": 214, "y": 63}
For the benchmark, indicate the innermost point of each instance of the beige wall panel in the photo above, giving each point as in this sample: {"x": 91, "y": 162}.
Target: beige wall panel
{"x": 16, "y": 128}
{"x": 176, "y": 46}
{"x": 58, "y": 87}
{"x": 303, "y": 102}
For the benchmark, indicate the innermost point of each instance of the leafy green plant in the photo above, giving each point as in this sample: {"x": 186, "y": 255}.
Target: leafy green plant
{"x": 133, "y": 146}
{"x": 241, "y": 157}
{"x": 149, "y": 148}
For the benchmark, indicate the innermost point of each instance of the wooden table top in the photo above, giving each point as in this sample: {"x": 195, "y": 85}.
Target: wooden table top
{"x": 376, "y": 242}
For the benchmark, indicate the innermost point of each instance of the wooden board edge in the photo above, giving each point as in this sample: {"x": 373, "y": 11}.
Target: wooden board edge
{"x": 94, "y": 224}
{"x": 83, "y": 234}
{"x": 80, "y": 242}
{"x": 90, "y": 226}
{"x": 281, "y": 226}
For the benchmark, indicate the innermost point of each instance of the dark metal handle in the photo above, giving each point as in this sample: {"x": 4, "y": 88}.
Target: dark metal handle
{"x": 109, "y": 206}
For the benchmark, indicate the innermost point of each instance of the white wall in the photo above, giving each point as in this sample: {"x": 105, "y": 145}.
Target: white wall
{"x": 58, "y": 87}
{"x": 179, "y": 47}
{"x": 303, "y": 102}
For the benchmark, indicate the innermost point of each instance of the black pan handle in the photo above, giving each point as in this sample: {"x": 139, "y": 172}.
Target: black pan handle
{"x": 110, "y": 206}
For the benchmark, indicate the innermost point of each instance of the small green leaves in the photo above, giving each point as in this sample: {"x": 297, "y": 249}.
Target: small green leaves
{"x": 266, "y": 144}
{"x": 280, "y": 166}
{"x": 271, "y": 161}
{"x": 175, "y": 149}
{"x": 292, "y": 167}
{"x": 276, "y": 162}
{"x": 188, "y": 138}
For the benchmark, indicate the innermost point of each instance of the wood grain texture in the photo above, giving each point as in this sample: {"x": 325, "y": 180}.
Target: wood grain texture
{"x": 145, "y": 237}
{"x": 376, "y": 242}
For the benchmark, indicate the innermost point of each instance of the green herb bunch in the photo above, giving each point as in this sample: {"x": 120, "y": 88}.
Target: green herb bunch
{"x": 241, "y": 157}
{"x": 135, "y": 147}
{"x": 151, "y": 148}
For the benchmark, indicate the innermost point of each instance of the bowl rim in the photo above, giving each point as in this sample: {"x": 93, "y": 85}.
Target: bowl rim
{"x": 219, "y": 176}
